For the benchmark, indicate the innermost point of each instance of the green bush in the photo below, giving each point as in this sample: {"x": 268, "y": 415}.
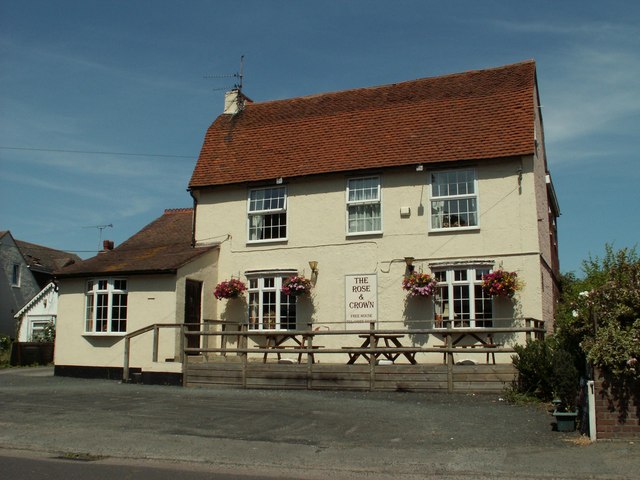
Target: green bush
{"x": 535, "y": 371}
{"x": 599, "y": 316}
{"x": 5, "y": 350}
{"x": 565, "y": 379}
{"x": 48, "y": 334}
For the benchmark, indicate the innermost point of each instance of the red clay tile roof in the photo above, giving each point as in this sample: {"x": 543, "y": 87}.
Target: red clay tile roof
{"x": 163, "y": 246}
{"x": 465, "y": 116}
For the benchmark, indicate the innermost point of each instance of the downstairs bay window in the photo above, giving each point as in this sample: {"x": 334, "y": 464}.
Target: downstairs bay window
{"x": 269, "y": 308}
{"x": 460, "y": 300}
{"x": 106, "y": 306}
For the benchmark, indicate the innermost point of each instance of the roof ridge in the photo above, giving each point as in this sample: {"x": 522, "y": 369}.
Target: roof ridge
{"x": 170, "y": 211}
{"x": 394, "y": 84}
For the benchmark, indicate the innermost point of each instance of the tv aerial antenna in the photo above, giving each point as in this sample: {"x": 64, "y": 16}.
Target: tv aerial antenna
{"x": 100, "y": 228}
{"x": 239, "y": 76}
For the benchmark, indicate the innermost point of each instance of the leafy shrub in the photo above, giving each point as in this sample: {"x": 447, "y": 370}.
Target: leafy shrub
{"x": 535, "y": 370}
{"x": 5, "y": 351}
{"x": 565, "y": 379}
{"x": 48, "y": 333}
{"x": 601, "y": 313}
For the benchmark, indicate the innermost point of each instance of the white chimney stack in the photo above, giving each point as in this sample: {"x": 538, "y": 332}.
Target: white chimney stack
{"x": 233, "y": 101}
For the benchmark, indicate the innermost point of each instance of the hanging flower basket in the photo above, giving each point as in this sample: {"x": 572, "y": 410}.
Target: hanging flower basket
{"x": 501, "y": 283}
{"x": 229, "y": 289}
{"x": 419, "y": 284}
{"x": 296, "y": 285}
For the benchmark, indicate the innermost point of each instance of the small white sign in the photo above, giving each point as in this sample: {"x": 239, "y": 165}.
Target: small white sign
{"x": 361, "y": 298}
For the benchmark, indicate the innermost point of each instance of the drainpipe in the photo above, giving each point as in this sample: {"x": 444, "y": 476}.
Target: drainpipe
{"x": 591, "y": 394}
{"x": 193, "y": 219}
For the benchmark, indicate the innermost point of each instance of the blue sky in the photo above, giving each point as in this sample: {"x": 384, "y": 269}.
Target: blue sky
{"x": 127, "y": 78}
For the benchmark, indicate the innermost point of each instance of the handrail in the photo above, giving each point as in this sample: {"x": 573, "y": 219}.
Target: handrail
{"x": 127, "y": 343}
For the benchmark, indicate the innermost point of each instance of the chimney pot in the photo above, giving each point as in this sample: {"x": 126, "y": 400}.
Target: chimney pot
{"x": 107, "y": 245}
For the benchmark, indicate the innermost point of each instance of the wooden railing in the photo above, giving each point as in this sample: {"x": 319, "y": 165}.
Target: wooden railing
{"x": 532, "y": 328}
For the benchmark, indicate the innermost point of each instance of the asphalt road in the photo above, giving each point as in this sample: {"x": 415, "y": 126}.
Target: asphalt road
{"x": 294, "y": 434}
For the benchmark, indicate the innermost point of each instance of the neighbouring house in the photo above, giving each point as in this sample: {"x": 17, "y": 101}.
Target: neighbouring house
{"x": 155, "y": 277}
{"x": 41, "y": 311}
{"x": 27, "y": 273}
{"x": 357, "y": 189}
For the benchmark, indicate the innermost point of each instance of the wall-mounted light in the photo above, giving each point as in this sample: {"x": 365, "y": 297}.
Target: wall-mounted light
{"x": 419, "y": 168}
{"x": 279, "y": 181}
{"x": 313, "y": 264}
{"x": 409, "y": 262}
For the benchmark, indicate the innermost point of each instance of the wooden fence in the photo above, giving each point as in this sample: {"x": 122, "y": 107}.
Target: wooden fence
{"x": 238, "y": 365}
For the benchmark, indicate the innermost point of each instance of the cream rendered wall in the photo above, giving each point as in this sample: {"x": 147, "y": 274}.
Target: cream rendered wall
{"x": 508, "y": 235}
{"x": 203, "y": 269}
{"x": 151, "y": 299}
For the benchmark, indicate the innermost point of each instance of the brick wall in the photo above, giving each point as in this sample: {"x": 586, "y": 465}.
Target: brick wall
{"x": 617, "y": 408}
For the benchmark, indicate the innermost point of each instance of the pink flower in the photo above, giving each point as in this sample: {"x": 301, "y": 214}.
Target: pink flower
{"x": 419, "y": 284}
{"x": 296, "y": 285}
{"x": 229, "y": 289}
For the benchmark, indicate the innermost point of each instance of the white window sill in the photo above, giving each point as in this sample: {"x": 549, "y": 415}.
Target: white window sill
{"x": 364, "y": 234}
{"x": 454, "y": 229}
{"x": 267, "y": 242}
{"x": 104, "y": 334}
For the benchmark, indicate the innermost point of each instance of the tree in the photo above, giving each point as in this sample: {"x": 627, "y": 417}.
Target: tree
{"x": 600, "y": 314}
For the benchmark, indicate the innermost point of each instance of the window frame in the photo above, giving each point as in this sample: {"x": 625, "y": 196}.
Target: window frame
{"x": 474, "y": 196}
{"x": 97, "y": 290}
{"x": 16, "y": 275}
{"x": 358, "y": 203}
{"x": 267, "y": 212}
{"x": 37, "y": 324}
{"x": 473, "y": 283}
{"x": 256, "y": 287}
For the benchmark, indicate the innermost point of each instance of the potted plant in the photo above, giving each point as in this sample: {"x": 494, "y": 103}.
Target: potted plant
{"x": 501, "y": 283}
{"x": 229, "y": 289}
{"x": 296, "y": 285}
{"x": 419, "y": 284}
{"x": 565, "y": 380}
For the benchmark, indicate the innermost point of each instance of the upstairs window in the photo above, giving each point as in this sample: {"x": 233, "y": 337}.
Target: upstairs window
{"x": 15, "y": 275}
{"x": 267, "y": 214}
{"x": 459, "y": 300}
{"x": 106, "y": 306}
{"x": 364, "y": 212}
{"x": 454, "y": 200}
{"x": 269, "y": 307}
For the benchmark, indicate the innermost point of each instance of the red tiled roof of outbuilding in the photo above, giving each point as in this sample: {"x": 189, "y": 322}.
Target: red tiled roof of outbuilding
{"x": 163, "y": 246}
{"x": 466, "y": 116}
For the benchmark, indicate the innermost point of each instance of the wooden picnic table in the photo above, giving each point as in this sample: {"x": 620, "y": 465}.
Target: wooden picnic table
{"x": 275, "y": 341}
{"x": 478, "y": 341}
{"x": 389, "y": 340}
